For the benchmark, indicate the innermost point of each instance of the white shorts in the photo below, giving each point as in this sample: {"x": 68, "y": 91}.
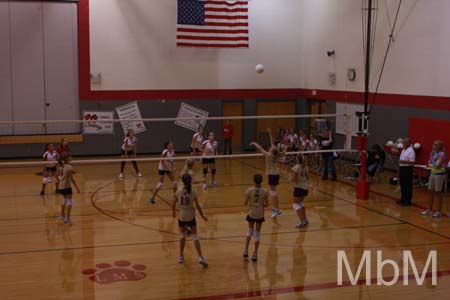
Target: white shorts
{"x": 437, "y": 182}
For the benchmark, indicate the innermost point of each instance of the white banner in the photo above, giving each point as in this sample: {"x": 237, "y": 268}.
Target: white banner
{"x": 97, "y": 122}
{"x": 342, "y": 126}
{"x": 188, "y": 111}
{"x": 131, "y": 111}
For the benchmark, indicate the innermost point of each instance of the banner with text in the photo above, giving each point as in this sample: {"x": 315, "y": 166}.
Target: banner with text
{"x": 127, "y": 112}
{"x": 98, "y": 122}
{"x": 188, "y": 111}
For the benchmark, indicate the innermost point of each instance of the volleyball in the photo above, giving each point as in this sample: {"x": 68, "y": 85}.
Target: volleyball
{"x": 259, "y": 69}
{"x": 417, "y": 146}
{"x": 390, "y": 143}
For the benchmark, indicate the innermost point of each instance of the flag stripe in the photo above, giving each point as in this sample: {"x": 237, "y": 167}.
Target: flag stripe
{"x": 213, "y": 38}
{"x": 227, "y": 28}
{"x": 226, "y": 24}
{"x": 237, "y": 3}
{"x": 193, "y": 34}
{"x": 226, "y": 10}
{"x": 216, "y": 31}
{"x": 213, "y": 45}
{"x": 227, "y": 17}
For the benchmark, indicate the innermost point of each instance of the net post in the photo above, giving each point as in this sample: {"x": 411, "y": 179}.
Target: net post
{"x": 363, "y": 185}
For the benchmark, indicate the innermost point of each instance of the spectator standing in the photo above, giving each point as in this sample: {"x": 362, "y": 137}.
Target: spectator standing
{"x": 227, "y": 135}
{"x": 406, "y": 171}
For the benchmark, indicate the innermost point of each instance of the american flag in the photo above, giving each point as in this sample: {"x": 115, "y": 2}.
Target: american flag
{"x": 212, "y": 23}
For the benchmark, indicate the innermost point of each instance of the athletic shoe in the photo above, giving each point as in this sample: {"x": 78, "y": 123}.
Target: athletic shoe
{"x": 213, "y": 183}
{"x": 139, "y": 174}
{"x": 62, "y": 218}
{"x": 427, "y": 212}
{"x": 68, "y": 220}
{"x": 437, "y": 214}
{"x": 254, "y": 257}
{"x": 245, "y": 255}
{"x": 180, "y": 259}
{"x": 152, "y": 200}
{"x": 204, "y": 186}
{"x": 275, "y": 213}
{"x": 42, "y": 193}
{"x": 302, "y": 224}
{"x": 203, "y": 262}
{"x": 121, "y": 176}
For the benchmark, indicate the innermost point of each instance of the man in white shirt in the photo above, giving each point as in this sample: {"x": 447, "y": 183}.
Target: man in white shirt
{"x": 406, "y": 163}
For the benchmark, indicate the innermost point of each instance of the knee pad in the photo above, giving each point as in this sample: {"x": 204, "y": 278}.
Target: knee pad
{"x": 273, "y": 193}
{"x": 257, "y": 236}
{"x": 68, "y": 202}
{"x": 195, "y": 237}
{"x": 250, "y": 232}
{"x": 45, "y": 180}
{"x": 174, "y": 184}
{"x": 205, "y": 171}
{"x": 213, "y": 171}
{"x": 159, "y": 185}
{"x": 297, "y": 206}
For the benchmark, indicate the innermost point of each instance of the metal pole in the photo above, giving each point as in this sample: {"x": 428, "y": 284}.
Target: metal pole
{"x": 368, "y": 56}
{"x": 362, "y": 187}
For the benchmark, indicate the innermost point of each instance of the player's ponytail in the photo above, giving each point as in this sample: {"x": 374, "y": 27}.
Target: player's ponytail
{"x": 187, "y": 181}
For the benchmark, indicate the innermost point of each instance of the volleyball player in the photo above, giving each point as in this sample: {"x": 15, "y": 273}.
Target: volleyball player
{"x": 273, "y": 171}
{"x": 197, "y": 141}
{"x": 66, "y": 181}
{"x": 209, "y": 149}
{"x": 50, "y": 169}
{"x": 188, "y": 202}
{"x": 166, "y": 167}
{"x": 256, "y": 198}
{"x": 300, "y": 180}
{"x": 129, "y": 147}
{"x": 189, "y": 170}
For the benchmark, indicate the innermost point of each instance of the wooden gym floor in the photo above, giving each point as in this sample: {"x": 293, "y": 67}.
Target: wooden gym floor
{"x": 121, "y": 247}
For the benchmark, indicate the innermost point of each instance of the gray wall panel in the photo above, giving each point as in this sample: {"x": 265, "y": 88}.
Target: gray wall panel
{"x": 27, "y": 65}
{"x": 60, "y": 76}
{"x": 5, "y": 70}
{"x": 153, "y": 139}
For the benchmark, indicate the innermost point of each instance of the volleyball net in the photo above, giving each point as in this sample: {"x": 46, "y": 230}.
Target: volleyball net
{"x": 98, "y": 138}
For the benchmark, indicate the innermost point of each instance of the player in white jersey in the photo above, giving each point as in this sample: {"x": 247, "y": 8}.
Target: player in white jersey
{"x": 66, "y": 180}
{"x": 129, "y": 148}
{"x": 300, "y": 179}
{"x": 273, "y": 171}
{"x": 256, "y": 198}
{"x": 166, "y": 167}
{"x": 50, "y": 168}
{"x": 188, "y": 202}
{"x": 197, "y": 142}
{"x": 209, "y": 149}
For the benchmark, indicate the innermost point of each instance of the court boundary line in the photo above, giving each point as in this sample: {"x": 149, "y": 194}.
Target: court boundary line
{"x": 304, "y": 288}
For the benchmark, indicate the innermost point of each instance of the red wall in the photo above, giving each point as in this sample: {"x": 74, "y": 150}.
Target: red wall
{"x": 425, "y": 131}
